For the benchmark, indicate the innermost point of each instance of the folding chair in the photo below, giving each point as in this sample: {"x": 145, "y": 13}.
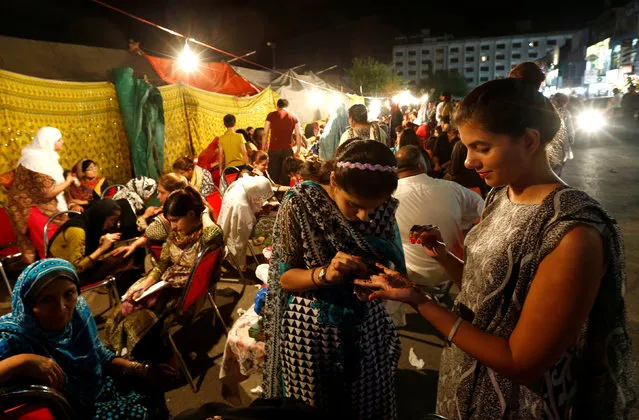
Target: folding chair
{"x": 204, "y": 276}
{"x": 34, "y": 401}
{"x": 111, "y": 190}
{"x": 229, "y": 176}
{"x": 9, "y": 250}
{"x": 108, "y": 283}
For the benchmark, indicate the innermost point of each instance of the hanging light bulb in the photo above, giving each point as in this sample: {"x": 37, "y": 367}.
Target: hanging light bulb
{"x": 187, "y": 61}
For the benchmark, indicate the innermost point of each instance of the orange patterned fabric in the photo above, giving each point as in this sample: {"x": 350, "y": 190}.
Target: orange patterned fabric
{"x": 29, "y": 189}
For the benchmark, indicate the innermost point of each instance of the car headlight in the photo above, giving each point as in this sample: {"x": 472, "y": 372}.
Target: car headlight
{"x": 591, "y": 121}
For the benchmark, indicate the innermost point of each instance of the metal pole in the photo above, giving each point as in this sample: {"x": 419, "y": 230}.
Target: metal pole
{"x": 242, "y": 56}
{"x": 327, "y": 69}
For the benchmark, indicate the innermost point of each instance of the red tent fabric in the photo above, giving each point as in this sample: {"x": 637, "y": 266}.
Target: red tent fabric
{"x": 213, "y": 77}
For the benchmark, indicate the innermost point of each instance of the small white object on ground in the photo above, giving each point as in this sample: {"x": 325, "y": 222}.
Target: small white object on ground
{"x": 414, "y": 361}
{"x": 257, "y": 390}
{"x": 261, "y": 272}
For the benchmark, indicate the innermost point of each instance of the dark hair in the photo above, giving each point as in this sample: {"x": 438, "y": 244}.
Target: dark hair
{"x": 560, "y": 99}
{"x": 249, "y": 128}
{"x": 244, "y": 134}
{"x": 444, "y": 120}
{"x": 309, "y": 130}
{"x": 410, "y": 157}
{"x": 409, "y": 137}
{"x": 257, "y": 156}
{"x": 181, "y": 202}
{"x": 257, "y": 135}
{"x": 292, "y": 165}
{"x": 362, "y": 183}
{"x": 399, "y": 128}
{"x": 358, "y": 113}
{"x": 310, "y": 169}
{"x": 509, "y": 106}
{"x": 282, "y": 103}
{"x": 86, "y": 163}
{"x": 529, "y": 72}
{"x": 172, "y": 182}
{"x": 229, "y": 120}
{"x": 183, "y": 163}
{"x": 447, "y": 96}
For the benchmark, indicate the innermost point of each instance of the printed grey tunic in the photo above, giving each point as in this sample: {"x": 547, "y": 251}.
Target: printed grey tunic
{"x": 503, "y": 253}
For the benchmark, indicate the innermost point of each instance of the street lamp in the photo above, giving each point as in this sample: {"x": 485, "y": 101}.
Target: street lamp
{"x": 187, "y": 61}
{"x": 242, "y": 56}
{"x": 272, "y": 45}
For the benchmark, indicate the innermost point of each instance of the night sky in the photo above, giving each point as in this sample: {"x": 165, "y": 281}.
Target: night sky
{"x": 246, "y": 27}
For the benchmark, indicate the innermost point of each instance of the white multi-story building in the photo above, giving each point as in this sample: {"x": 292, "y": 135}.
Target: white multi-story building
{"x": 478, "y": 59}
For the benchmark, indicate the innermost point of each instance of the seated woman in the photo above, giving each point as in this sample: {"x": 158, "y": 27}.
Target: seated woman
{"x": 199, "y": 178}
{"x": 259, "y": 167}
{"x": 50, "y": 337}
{"x": 90, "y": 186}
{"x": 83, "y": 241}
{"x": 240, "y": 204}
{"x": 132, "y": 199}
{"x": 157, "y": 231}
{"x": 192, "y": 231}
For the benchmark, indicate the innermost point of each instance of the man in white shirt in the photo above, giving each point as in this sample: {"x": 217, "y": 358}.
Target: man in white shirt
{"x": 427, "y": 201}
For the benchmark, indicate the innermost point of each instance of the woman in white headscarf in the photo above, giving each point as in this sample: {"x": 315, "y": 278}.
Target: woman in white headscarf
{"x": 39, "y": 182}
{"x": 132, "y": 200}
{"x": 242, "y": 201}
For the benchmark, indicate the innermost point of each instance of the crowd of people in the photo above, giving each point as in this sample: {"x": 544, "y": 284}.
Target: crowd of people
{"x": 366, "y": 218}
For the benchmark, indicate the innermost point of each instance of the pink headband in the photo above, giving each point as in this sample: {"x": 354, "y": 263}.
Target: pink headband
{"x": 366, "y": 166}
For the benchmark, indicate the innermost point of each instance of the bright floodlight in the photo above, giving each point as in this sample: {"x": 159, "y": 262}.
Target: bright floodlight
{"x": 316, "y": 98}
{"x": 187, "y": 61}
{"x": 591, "y": 121}
{"x": 374, "y": 109}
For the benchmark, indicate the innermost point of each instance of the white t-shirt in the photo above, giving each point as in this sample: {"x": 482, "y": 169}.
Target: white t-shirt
{"x": 427, "y": 201}
{"x": 438, "y": 112}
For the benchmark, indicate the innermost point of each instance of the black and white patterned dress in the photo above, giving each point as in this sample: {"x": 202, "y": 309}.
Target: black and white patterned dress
{"x": 503, "y": 253}
{"x": 325, "y": 347}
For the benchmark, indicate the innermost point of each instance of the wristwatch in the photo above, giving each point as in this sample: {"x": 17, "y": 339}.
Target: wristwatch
{"x": 322, "y": 275}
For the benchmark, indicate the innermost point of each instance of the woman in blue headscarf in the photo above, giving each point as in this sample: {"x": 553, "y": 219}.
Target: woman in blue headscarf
{"x": 50, "y": 337}
{"x": 335, "y": 127}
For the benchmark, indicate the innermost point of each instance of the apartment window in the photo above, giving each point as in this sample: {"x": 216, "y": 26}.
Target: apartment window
{"x": 412, "y": 73}
{"x": 424, "y": 61}
{"x": 516, "y": 44}
{"x": 515, "y": 56}
{"x": 501, "y": 46}
{"x": 483, "y": 79}
{"x": 551, "y": 42}
{"x": 412, "y": 53}
{"x": 532, "y": 55}
{"x": 425, "y": 52}
{"x": 412, "y": 62}
{"x": 439, "y": 51}
{"x": 485, "y": 47}
{"x": 484, "y": 58}
{"x": 500, "y": 57}
{"x": 484, "y": 68}
{"x": 454, "y": 60}
{"x": 470, "y": 49}
{"x": 455, "y": 70}
{"x": 454, "y": 50}
{"x": 400, "y": 73}
{"x": 470, "y": 59}
{"x": 469, "y": 69}
{"x": 512, "y": 66}
{"x": 533, "y": 44}
{"x": 470, "y": 80}
{"x": 399, "y": 53}
{"x": 399, "y": 63}
{"x": 500, "y": 68}
{"x": 439, "y": 61}
{"x": 424, "y": 72}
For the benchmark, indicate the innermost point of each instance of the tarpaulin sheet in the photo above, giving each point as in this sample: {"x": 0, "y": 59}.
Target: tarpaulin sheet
{"x": 212, "y": 77}
{"x": 87, "y": 114}
{"x": 193, "y": 117}
{"x": 143, "y": 118}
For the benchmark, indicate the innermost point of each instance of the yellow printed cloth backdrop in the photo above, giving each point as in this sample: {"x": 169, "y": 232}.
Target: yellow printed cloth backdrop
{"x": 87, "y": 114}
{"x": 200, "y": 113}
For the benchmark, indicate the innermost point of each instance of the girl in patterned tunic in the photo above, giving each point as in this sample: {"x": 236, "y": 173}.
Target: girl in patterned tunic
{"x": 324, "y": 345}
{"x": 50, "y": 338}
{"x": 192, "y": 230}
{"x": 539, "y": 328}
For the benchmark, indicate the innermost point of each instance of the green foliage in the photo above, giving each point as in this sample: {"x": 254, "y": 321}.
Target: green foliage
{"x": 445, "y": 81}
{"x": 374, "y": 77}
